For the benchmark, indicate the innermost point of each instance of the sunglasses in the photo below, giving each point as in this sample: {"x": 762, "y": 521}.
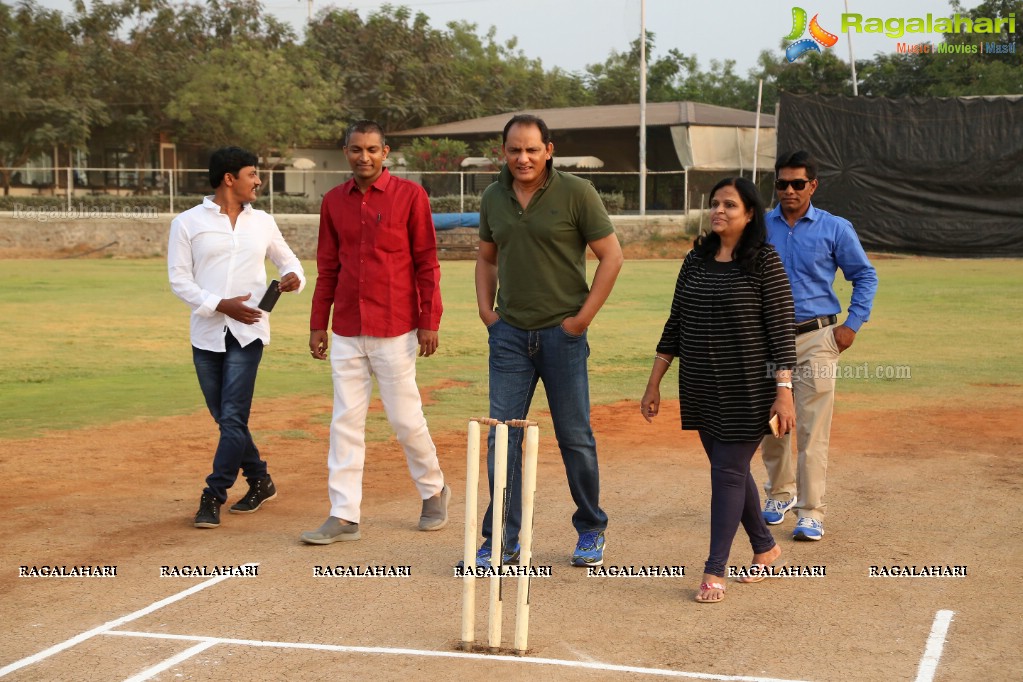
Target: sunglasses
{"x": 798, "y": 185}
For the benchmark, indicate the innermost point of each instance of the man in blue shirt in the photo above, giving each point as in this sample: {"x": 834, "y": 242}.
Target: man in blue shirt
{"x": 813, "y": 245}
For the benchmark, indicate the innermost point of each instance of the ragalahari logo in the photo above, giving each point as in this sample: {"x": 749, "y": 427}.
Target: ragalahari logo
{"x": 818, "y": 36}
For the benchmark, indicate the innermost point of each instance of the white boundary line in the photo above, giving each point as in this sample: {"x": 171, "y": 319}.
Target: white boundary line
{"x": 102, "y": 629}
{"x": 588, "y": 665}
{"x": 172, "y": 661}
{"x": 935, "y": 644}
{"x": 926, "y": 671}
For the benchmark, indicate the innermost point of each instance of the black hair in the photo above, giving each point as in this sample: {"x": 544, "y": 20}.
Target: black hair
{"x": 798, "y": 159}
{"x": 365, "y": 126}
{"x": 229, "y": 160}
{"x": 753, "y": 237}
{"x": 527, "y": 119}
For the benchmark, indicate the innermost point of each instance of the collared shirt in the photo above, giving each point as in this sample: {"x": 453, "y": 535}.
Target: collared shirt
{"x": 813, "y": 251}
{"x": 541, "y": 248}
{"x": 377, "y": 260}
{"x": 207, "y": 261}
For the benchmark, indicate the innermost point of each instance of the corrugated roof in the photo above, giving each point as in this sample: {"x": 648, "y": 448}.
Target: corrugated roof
{"x": 607, "y": 116}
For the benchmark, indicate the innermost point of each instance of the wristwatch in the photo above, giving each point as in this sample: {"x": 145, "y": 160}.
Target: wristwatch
{"x": 785, "y": 384}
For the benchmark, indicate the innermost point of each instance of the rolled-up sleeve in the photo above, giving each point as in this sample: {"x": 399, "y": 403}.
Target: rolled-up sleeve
{"x": 283, "y": 257}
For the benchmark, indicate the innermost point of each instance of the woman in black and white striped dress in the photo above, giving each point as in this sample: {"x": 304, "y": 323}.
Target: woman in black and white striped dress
{"x": 732, "y": 326}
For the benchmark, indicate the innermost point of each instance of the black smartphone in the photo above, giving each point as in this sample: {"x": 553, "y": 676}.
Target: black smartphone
{"x": 273, "y": 292}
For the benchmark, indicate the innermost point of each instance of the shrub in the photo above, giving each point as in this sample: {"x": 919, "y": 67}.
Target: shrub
{"x": 613, "y": 201}
{"x": 430, "y": 154}
{"x": 450, "y": 203}
{"x": 110, "y": 203}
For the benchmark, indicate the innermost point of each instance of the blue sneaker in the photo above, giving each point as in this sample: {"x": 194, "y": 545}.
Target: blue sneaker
{"x": 483, "y": 554}
{"x": 774, "y": 510}
{"x": 808, "y": 529}
{"x": 589, "y": 551}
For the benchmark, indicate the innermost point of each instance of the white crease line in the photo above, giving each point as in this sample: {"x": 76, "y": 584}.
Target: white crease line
{"x": 148, "y": 673}
{"x": 78, "y": 639}
{"x": 935, "y": 644}
{"x": 662, "y": 672}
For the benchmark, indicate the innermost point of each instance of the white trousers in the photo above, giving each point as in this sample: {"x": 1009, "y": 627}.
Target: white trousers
{"x": 354, "y": 360}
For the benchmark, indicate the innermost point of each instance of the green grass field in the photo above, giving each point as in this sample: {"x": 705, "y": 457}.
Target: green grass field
{"x": 97, "y": 341}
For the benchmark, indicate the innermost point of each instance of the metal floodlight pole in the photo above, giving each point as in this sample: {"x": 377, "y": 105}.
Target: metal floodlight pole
{"x": 642, "y": 108}
{"x": 852, "y": 60}
{"x": 756, "y": 130}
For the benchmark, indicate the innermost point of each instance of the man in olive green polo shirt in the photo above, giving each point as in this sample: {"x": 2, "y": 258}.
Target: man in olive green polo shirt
{"x": 535, "y": 225}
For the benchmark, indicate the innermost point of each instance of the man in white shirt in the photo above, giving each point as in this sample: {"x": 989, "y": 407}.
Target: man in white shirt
{"x": 216, "y": 261}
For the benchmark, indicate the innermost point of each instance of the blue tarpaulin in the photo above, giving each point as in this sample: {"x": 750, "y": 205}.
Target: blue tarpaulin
{"x": 447, "y": 221}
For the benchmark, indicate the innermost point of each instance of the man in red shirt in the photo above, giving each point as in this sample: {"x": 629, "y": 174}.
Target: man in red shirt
{"x": 377, "y": 266}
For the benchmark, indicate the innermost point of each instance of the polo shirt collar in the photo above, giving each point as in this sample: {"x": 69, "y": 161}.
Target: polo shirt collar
{"x": 506, "y": 179}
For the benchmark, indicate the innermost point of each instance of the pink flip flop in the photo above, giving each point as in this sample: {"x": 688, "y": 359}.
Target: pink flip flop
{"x": 710, "y": 586}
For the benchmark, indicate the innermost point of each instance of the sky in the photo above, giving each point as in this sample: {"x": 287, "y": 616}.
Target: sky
{"x": 572, "y": 34}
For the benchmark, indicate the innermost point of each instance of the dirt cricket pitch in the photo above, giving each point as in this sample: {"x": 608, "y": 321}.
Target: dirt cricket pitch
{"x": 934, "y": 487}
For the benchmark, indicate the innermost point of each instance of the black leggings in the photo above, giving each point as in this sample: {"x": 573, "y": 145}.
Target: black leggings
{"x": 733, "y": 499}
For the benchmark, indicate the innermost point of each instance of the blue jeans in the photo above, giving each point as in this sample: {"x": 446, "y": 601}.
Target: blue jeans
{"x": 518, "y": 360}
{"x": 227, "y": 381}
{"x": 733, "y": 500}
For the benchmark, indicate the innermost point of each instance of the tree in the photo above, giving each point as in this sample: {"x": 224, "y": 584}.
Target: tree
{"x": 818, "y": 73}
{"x": 245, "y": 96}
{"x": 435, "y": 154}
{"x": 616, "y": 81}
{"x": 952, "y": 74}
{"x": 720, "y": 85}
{"x": 492, "y": 149}
{"x": 144, "y": 51}
{"x": 45, "y": 98}
{"x": 672, "y": 77}
{"x": 392, "y": 68}
{"x": 499, "y": 78}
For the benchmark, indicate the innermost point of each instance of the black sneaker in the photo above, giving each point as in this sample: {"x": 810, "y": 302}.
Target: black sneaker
{"x": 208, "y": 515}
{"x": 259, "y": 492}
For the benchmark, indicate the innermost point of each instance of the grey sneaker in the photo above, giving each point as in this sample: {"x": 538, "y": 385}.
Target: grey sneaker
{"x": 262, "y": 490}
{"x": 435, "y": 511}
{"x": 332, "y": 530}
{"x": 208, "y": 515}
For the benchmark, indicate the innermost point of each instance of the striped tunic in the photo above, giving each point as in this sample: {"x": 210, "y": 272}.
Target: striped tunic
{"x": 730, "y": 331}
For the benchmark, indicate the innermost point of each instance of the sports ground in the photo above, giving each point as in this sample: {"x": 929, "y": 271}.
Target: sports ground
{"x": 105, "y": 443}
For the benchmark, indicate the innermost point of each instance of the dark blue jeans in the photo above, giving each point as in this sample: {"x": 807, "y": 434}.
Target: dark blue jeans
{"x": 733, "y": 499}
{"x": 227, "y": 381}
{"x": 518, "y": 360}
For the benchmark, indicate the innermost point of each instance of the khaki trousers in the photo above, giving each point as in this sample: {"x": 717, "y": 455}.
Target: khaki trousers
{"x": 813, "y": 385}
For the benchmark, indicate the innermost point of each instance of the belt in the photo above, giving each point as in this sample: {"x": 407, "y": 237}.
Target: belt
{"x": 815, "y": 324}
